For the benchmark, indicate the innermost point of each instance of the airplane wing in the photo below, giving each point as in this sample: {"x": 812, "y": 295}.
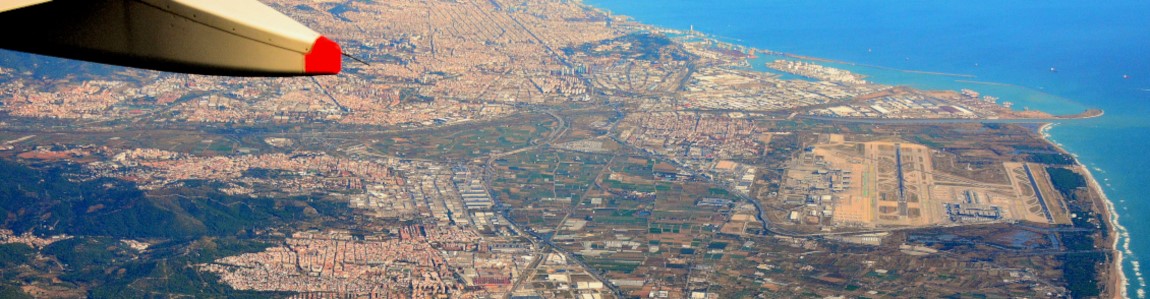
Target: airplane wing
{"x": 212, "y": 37}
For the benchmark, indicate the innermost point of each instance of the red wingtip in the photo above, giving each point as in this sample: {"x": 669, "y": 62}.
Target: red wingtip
{"x": 325, "y": 58}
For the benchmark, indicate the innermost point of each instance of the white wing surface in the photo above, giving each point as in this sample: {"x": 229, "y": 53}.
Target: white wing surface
{"x": 215, "y": 37}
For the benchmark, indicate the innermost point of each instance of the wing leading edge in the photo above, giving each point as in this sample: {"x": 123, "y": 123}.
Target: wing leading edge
{"x": 213, "y": 37}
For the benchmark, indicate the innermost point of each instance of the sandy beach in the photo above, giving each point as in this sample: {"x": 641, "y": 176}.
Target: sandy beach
{"x": 1116, "y": 279}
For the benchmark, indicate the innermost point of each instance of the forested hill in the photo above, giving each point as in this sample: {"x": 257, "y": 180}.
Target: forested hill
{"x": 45, "y": 202}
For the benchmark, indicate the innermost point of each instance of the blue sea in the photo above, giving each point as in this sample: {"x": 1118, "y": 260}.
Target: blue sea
{"x": 1099, "y": 53}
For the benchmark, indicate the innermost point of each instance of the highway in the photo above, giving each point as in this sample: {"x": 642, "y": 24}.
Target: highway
{"x": 537, "y": 239}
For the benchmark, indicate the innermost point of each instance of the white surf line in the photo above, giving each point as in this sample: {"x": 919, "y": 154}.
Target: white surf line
{"x": 1121, "y": 241}
{"x": 1122, "y": 235}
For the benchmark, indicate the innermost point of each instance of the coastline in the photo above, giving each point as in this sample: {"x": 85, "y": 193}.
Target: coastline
{"x": 1116, "y": 279}
{"x": 803, "y": 57}
{"x": 1088, "y": 114}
